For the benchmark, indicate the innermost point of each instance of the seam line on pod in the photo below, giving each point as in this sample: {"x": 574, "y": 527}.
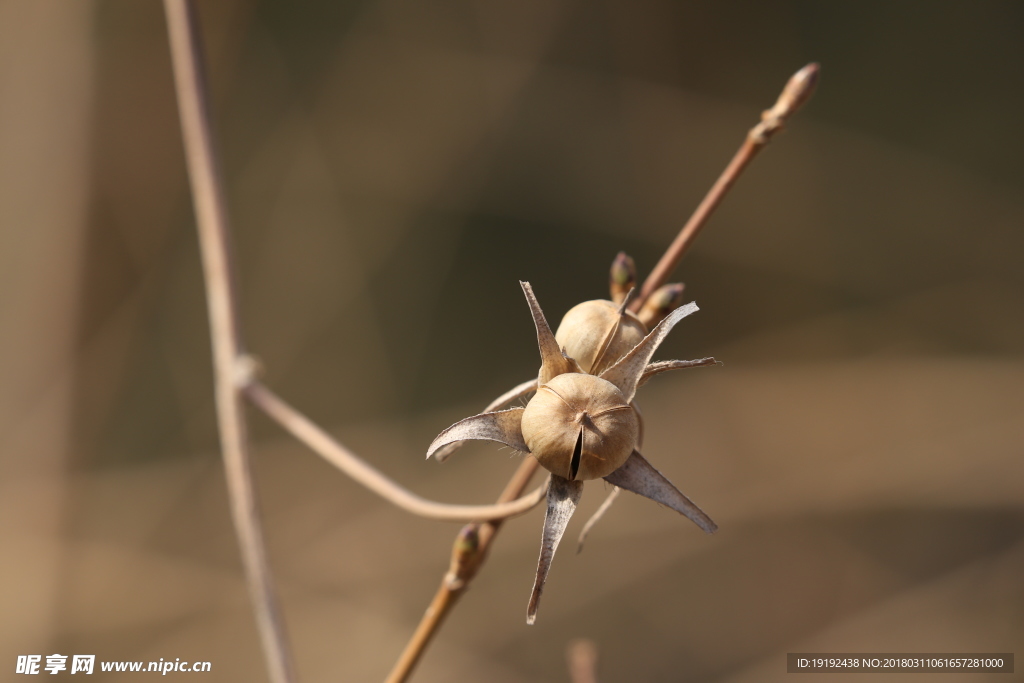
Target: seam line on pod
{"x": 606, "y": 342}
{"x": 577, "y": 455}
{"x": 568, "y": 405}
{"x": 600, "y": 362}
{"x": 612, "y": 409}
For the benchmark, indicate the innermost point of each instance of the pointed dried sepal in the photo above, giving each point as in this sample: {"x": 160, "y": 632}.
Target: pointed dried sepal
{"x": 596, "y": 517}
{"x": 640, "y": 425}
{"x": 661, "y": 366}
{"x": 663, "y": 301}
{"x": 563, "y": 495}
{"x": 622, "y": 277}
{"x": 518, "y": 391}
{"x": 504, "y": 426}
{"x": 640, "y": 477}
{"x": 601, "y": 360}
{"x": 627, "y": 372}
{"x": 553, "y": 361}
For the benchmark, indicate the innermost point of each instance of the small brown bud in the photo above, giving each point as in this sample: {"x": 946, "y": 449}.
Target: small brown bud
{"x": 465, "y": 556}
{"x": 466, "y": 543}
{"x": 798, "y": 90}
{"x": 663, "y": 301}
{"x": 795, "y": 94}
{"x": 622, "y": 277}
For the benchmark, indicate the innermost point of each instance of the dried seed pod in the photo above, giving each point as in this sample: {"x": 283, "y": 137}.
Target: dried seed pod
{"x": 598, "y": 333}
{"x": 583, "y": 426}
{"x": 580, "y": 427}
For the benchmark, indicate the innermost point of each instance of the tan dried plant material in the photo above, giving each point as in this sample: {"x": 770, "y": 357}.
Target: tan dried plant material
{"x": 581, "y": 424}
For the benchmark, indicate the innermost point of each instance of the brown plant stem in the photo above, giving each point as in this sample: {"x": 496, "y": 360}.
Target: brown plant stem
{"x": 582, "y": 658}
{"x": 468, "y": 555}
{"x": 795, "y": 93}
{"x": 303, "y": 429}
{"x": 214, "y": 238}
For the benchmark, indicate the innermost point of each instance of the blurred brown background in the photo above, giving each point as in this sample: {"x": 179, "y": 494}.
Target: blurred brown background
{"x": 394, "y": 168}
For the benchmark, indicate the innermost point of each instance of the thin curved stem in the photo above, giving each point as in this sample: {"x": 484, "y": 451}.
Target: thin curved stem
{"x": 222, "y": 301}
{"x": 303, "y": 429}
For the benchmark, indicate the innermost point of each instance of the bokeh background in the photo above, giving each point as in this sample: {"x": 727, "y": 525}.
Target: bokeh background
{"x": 393, "y": 169}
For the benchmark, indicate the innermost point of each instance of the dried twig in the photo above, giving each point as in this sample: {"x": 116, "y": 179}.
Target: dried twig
{"x": 796, "y": 92}
{"x": 214, "y": 238}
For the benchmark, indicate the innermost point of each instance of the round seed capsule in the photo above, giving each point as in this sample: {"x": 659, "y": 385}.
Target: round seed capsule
{"x": 595, "y": 335}
{"x": 580, "y": 427}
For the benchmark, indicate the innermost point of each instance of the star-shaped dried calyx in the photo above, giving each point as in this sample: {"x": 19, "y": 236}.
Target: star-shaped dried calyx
{"x": 581, "y": 423}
